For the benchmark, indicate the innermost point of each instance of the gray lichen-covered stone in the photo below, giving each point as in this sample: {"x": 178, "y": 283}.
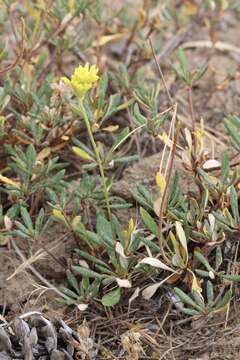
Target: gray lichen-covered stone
{"x": 32, "y": 336}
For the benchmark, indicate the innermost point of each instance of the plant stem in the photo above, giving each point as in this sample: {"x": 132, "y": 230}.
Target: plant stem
{"x": 99, "y": 162}
{"x": 168, "y": 178}
{"x": 161, "y": 73}
{"x": 190, "y": 100}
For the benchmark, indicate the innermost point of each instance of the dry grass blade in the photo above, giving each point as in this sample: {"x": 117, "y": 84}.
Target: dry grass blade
{"x": 170, "y": 162}
{"x": 161, "y": 73}
{"x": 39, "y": 255}
{"x": 35, "y": 272}
{"x": 219, "y": 45}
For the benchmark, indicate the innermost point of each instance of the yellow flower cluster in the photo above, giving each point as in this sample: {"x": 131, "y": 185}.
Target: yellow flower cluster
{"x": 82, "y": 79}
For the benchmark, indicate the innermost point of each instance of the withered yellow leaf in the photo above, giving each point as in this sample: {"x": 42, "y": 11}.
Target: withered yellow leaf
{"x": 58, "y": 147}
{"x": 182, "y": 237}
{"x": 59, "y": 215}
{"x": 165, "y": 139}
{"x": 65, "y": 138}
{"x": 195, "y": 286}
{"x": 44, "y": 153}
{"x": 24, "y": 141}
{"x": 108, "y": 38}
{"x": 130, "y": 227}
{"x": 142, "y": 18}
{"x": 83, "y": 154}
{"x": 111, "y": 128}
{"x": 8, "y": 181}
{"x": 71, "y": 5}
{"x": 161, "y": 182}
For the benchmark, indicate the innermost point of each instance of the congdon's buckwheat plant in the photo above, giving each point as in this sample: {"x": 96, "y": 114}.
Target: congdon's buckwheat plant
{"x": 81, "y": 82}
{"x": 192, "y": 238}
{"x": 78, "y": 128}
{"x": 118, "y": 262}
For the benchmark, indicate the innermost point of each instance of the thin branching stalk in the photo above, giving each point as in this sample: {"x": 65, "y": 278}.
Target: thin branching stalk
{"x": 99, "y": 162}
{"x": 161, "y": 73}
{"x": 172, "y": 155}
{"x": 165, "y": 193}
{"x": 192, "y": 113}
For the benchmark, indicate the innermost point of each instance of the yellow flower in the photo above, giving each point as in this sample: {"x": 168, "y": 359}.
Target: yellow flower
{"x": 82, "y": 79}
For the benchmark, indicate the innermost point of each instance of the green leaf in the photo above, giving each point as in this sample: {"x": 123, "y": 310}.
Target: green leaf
{"x": 93, "y": 289}
{"x": 145, "y": 193}
{"x": 210, "y": 293}
{"x": 204, "y": 201}
{"x": 235, "y": 120}
{"x": 69, "y": 292}
{"x": 102, "y": 89}
{"x": 137, "y": 116}
{"x": 31, "y": 157}
{"x": 89, "y": 273}
{"x": 203, "y": 260}
{"x": 4, "y": 239}
{"x": 27, "y": 219}
{"x": 223, "y": 221}
{"x": 148, "y": 221}
{"x": 198, "y": 299}
{"x": 90, "y": 237}
{"x": 124, "y": 75}
{"x": 218, "y": 258}
{"x": 103, "y": 269}
{"x": 120, "y": 138}
{"x": 229, "y": 218}
{"x": 104, "y": 230}
{"x": 200, "y": 72}
{"x": 111, "y": 298}
{"x": 235, "y": 278}
{"x": 182, "y": 60}
{"x": 72, "y": 281}
{"x": 174, "y": 192}
{"x": 152, "y": 245}
{"x": 225, "y": 168}
{"x": 186, "y": 299}
{"x": 126, "y": 159}
{"x": 22, "y": 227}
{"x": 66, "y": 301}
{"x": 190, "y": 312}
{"x": 140, "y": 199}
{"x": 234, "y": 203}
{"x": 39, "y": 221}
{"x": 22, "y": 234}
{"x": 89, "y": 257}
{"x": 233, "y": 132}
{"x": 84, "y": 284}
{"x": 202, "y": 273}
{"x": 113, "y": 103}
{"x": 206, "y": 177}
{"x": 118, "y": 229}
{"x": 224, "y": 301}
